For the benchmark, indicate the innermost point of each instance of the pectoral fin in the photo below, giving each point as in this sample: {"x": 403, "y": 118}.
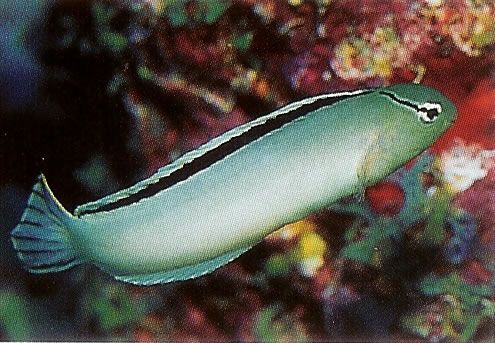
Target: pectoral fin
{"x": 369, "y": 160}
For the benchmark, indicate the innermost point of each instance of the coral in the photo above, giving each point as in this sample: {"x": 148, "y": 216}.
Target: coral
{"x": 131, "y": 85}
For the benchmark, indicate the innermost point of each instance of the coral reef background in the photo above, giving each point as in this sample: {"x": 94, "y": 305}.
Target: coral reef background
{"x": 98, "y": 94}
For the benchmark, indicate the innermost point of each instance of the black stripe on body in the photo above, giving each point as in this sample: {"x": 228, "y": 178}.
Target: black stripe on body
{"x": 223, "y": 150}
{"x": 401, "y": 101}
{"x": 430, "y": 112}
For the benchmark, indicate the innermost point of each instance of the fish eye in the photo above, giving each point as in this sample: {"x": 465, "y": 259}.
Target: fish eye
{"x": 429, "y": 112}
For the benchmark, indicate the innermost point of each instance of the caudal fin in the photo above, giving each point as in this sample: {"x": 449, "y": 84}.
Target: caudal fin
{"x": 41, "y": 238}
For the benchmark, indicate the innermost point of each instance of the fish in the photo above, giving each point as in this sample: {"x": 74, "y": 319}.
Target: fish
{"x": 214, "y": 203}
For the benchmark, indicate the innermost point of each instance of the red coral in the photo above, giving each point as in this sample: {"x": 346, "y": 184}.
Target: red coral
{"x": 475, "y": 273}
{"x": 385, "y": 198}
{"x": 143, "y": 335}
{"x": 476, "y": 118}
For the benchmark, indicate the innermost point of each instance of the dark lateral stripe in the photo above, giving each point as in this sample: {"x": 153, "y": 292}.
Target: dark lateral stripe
{"x": 401, "y": 101}
{"x": 222, "y": 151}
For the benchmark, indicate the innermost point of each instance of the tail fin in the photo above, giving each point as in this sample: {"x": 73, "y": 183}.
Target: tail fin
{"x": 41, "y": 238}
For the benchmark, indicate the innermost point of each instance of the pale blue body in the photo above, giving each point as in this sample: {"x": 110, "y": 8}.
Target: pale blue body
{"x": 216, "y": 214}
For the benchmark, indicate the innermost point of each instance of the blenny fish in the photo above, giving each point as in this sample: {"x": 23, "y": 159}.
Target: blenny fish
{"x": 214, "y": 203}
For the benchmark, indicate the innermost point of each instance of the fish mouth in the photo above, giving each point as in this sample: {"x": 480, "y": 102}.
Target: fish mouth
{"x": 454, "y": 117}
{"x": 449, "y": 123}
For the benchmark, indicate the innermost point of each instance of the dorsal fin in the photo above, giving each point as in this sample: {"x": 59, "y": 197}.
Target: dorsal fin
{"x": 162, "y": 172}
{"x": 118, "y": 199}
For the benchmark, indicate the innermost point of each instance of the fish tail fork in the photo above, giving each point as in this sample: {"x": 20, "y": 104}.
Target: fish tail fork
{"x": 41, "y": 238}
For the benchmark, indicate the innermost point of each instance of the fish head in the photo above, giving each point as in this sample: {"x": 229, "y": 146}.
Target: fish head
{"x": 410, "y": 117}
{"x": 431, "y": 112}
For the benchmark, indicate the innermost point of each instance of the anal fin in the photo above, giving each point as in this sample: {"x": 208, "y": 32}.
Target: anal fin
{"x": 184, "y": 273}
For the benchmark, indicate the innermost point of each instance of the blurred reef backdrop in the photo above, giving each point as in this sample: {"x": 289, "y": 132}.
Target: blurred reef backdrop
{"x": 98, "y": 94}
